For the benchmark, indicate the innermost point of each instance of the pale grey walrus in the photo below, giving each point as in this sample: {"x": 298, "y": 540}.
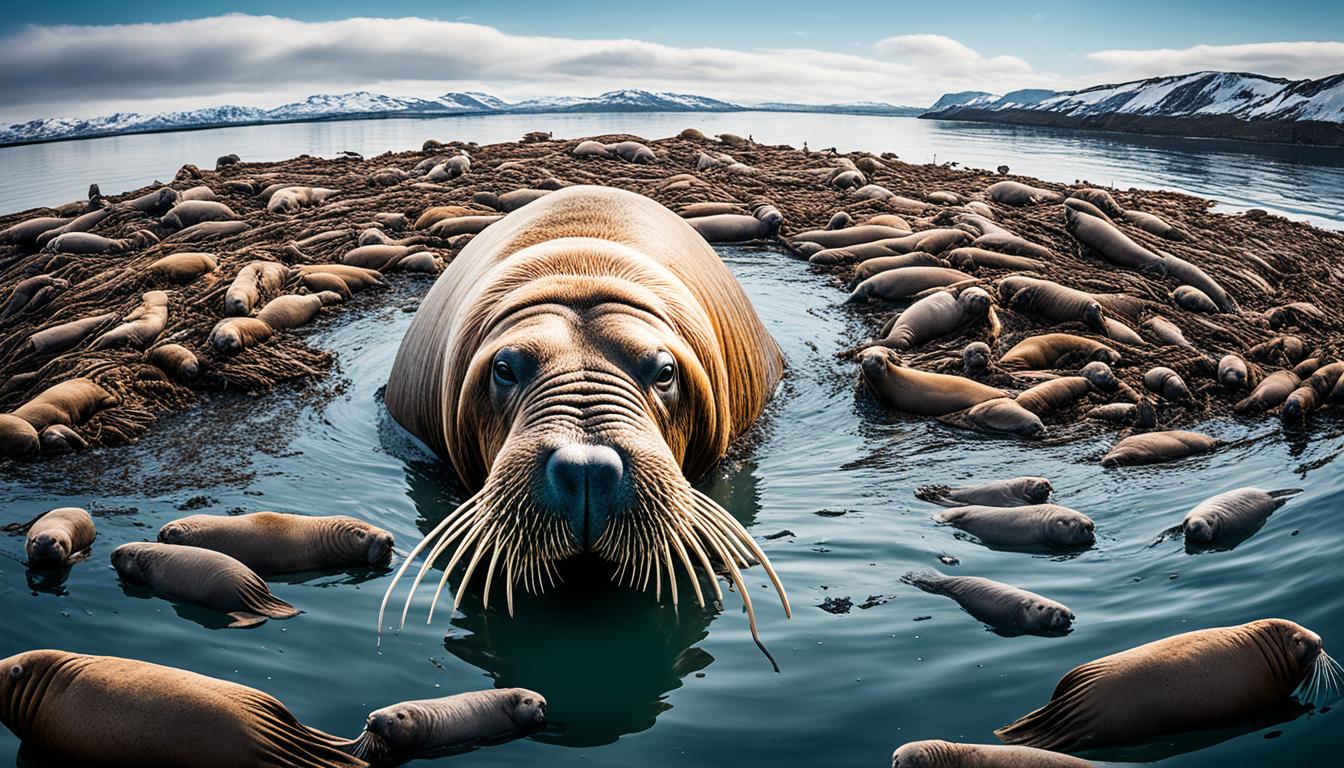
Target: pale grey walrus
{"x": 192, "y": 212}
{"x": 949, "y": 754}
{"x": 1157, "y": 447}
{"x": 1017, "y": 193}
{"x": 1003, "y": 608}
{"x": 56, "y": 537}
{"x": 1013, "y": 492}
{"x": 575, "y": 362}
{"x": 449, "y": 725}
{"x": 1233, "y": 515}
{"x": 106, "y": 711}
{"x": 270, "y": 542}
{"x": 201, "y": 577}
{"x": 1199, "y": 680}
{"x": 1031, "y": 526}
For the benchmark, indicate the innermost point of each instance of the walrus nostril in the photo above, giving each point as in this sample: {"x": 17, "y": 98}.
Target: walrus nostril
{"x": 582, "y": 482}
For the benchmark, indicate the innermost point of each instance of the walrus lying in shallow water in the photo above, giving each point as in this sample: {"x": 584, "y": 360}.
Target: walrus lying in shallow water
{"x": 577, "y": 362}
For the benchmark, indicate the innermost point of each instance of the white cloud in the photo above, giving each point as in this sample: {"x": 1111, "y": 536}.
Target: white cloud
{"x": 265, "y": 61}
{"x": 1291, "y": 60}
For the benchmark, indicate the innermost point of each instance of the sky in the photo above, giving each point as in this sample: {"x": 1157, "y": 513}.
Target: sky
{"x": 75, "y": 58}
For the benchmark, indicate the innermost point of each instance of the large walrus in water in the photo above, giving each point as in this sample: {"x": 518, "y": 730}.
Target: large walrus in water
{"x": 576, "y": 363}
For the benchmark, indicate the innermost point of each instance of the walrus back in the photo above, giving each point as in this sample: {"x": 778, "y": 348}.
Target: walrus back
{"x": 418, "y": 384}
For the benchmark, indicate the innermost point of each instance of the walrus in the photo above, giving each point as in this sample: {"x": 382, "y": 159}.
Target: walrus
{"x": 1269, "y": 393}
{"x": 1231, "y": 516}
{"x": 943, "y": 197}
{"x": 382, "y": 258}
{"x": 33, "y": 293}
{"x": 107, "y": 711}
{"x": 57, "y": 536}
{"x": 141, "y": 327}
{"x": 1051, "y": 301}
{"x": 256, "y": 281}
{"x": 207, "y": 230}
{"x": 856, "y": 235}
{"x": 293, "y": 310}
{"x": 1118, "y": 331}
{"x": 355, "y": 279}
{"x": 436, "y": 213}
{"x": 59, "y": 338}
{"x": 975, "y": 357}
{"x": 694, "y": 210}
{"x": 732, "y": 228}
{"x": 869, "y": 267}
{"x": 1192, "y": 299}
{"x": 509, "y": 201}
{"x": 201, "y": 577}
{"x": 1157, "y": 447}
{"x": 175, "y": 360}
{"x": 1005, "y": 609}
{"x": 83, "y": 243}
{"x": 840, "y": 220}
{"x": 591, "y": 148}
{"x": 632, "y": 152}
{"x": 1107, "y": 241}
{"x": 1295, "y": 314}
{"x": 181, "y": 268}
{"x": 192, "y": 212}
{"x": 592, "y": 349}
{"x": 1031, "y": 526}
{"x": 81, "y": 223}
{"x": 931, "y": 241}
{"x": 1199, "y": 680}
{"x": 154, "y": 202}
{"x": 1016, "y": 194}
{"x": 1084, "y": 206}
{"x": 26, "y": 232}
{"x": 449, "y": 725}
{"x": 1140, "y": 414}
{"x": 201, "y": 192}
{"x": 905, "y": 283}
{"x": 58, "y": 438}
{"x": 919, "y": 392}
{"x": 70, "y": 402}
{"x": 1300, "y": 404}
{"x": 270, "y": 542}
{"x": 998, "y": 416}
{"x": 848, "y": 179}
{"x": 1166, "y": 383}
{"x": 973, "y": 258}
{"x": 1056, "y": 350}
{"x": 936, "y": 315}
{"x": 1006, "y": 242}
{"x": 1195, "y": 277}
{"x": 1013, "y": 492}
{"x": 232, "y": 335}
{"x": 1325, "y": 378}
{"x": 1153, "y": 225}
{"x": 463, "y": 225}
{"x": 1281, "y": 350}
{"x": 1054, "y": 395}
{"x": 451, "y": 168}
{"x": 1101, "y": 199}
{"x": 1233, "y": 372}
{"x": 935, "y": 753}
{"x": 1166, "y": 332}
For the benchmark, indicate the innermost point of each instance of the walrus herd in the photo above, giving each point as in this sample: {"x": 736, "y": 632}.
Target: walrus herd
{"x": 584, "y": 355}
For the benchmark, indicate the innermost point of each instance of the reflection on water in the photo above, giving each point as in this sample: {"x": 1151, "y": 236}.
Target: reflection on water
{"x": 632, "y": 681}
{"x": 1302, "y": 182}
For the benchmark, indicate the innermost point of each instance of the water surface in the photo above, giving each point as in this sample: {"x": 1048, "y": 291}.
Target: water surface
{"x": 634, "y": 682}
{"x": 1301, "y": 182}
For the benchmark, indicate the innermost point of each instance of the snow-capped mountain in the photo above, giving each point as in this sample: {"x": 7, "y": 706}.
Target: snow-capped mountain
{"x": 1208, "y": 104}
{"x": 846, "y": 108}
{"x": 351, "y": 105}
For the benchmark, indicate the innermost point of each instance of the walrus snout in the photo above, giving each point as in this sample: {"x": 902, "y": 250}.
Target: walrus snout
{"x": 584, "y": 484}
{"x": 45, "y": 549}
{"x": 380, "y": 548}
{"x": 1199, "y": 530}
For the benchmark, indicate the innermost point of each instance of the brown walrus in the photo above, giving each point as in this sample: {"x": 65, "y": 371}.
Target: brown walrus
{"x": 936, "y": 753}
{"x": 141, "y": 327}
{"x": 1055, "y": 350}
{"x": 1199, "y": 680}
{"x": 1051, "y": 300}
{"x": 57, "y": 536}
{"x": 201, "y": 577}
{"x": 107, "y": 711}
{"x": 270, "y": 542}
{"x": 919, "y": 392}
{"x": 905, "y": 283}
{"x": 449, "y": 725}
{"x": 69, "y": 403}
{"x": 1157, "y": 447}
{"x": 256, "y": 281}
{"x": 576, "y": 362}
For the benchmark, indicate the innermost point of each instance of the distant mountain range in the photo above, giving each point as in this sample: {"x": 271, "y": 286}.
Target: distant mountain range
{"x": 1204, "y": 104}
{"x": 363, "y": 104}
{"x": 1230, "y": 105}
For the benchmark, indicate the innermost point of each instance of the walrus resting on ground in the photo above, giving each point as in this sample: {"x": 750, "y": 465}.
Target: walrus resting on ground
{"x": 576, "y": 363}
{"x": 1199, "y": 680}
{"x": 102, "y": 710}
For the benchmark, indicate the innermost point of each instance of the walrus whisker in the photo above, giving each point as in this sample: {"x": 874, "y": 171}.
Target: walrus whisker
{"x": 467, "y": 541}
{"x": 755, "y": 549}
{"x": 692, "y": 539}
{"x": 736, "y": 576}
{"x": 1322, "y": 684}
{"x": 406, "y": 564}
{"x": 489, "y": 576}
{"x": 690, "y": 570}
{"x": 487, "y": 539}
{"x": 444, "y": 540}
{"x": 671, "y": 572}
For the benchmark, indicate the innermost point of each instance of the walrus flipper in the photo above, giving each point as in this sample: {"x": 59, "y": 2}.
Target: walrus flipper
{"x": 245, "y": 619}
{"x": 1061, "y": 725}
{"x": 257, "y": 599}
{"x": 284, "y": 742}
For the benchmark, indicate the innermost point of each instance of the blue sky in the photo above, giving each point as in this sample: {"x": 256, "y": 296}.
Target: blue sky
{"x": 835, "y": 51}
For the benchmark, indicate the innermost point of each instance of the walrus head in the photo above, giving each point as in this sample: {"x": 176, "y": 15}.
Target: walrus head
{"x": 420, "y": 729}
{"x": 51, "y": 547}
{"x": 592, "y": 386}
{"x": 1317, "y": 678}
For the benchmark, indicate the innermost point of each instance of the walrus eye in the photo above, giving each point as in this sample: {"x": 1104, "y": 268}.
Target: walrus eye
{"x": 504, "y": 375}
{"x": 16, "y": 671}
{"x": 667, "y": 376}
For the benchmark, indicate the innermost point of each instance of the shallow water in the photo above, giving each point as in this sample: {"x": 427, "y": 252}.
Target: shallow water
{"x": 634, "y": 682}
{"x": 1301, "y": 182}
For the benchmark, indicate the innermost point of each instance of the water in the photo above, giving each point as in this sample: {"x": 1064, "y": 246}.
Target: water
{"x": 1301, "y": 182}
{"x": 632, "y": 682}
